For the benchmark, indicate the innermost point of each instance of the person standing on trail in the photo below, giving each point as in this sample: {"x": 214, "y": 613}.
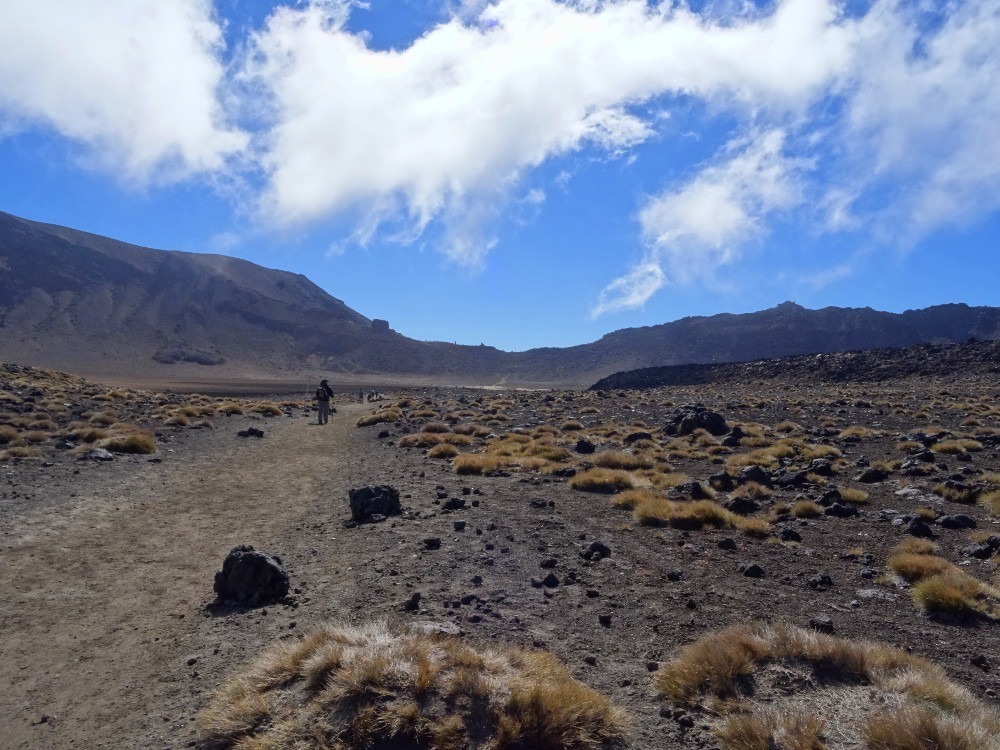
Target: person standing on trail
{"x": 323, "y": 394}
{"x": 361, "y": 395}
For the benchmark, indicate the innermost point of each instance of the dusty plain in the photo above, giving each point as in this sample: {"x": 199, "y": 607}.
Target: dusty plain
{"x": 110, "y": 637}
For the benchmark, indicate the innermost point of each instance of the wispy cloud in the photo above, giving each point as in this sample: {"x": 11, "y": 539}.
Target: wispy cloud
{"x": 704, "y": 224}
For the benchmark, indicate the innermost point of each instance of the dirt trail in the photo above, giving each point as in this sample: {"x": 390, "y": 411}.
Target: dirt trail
{"x": 104, "y": 593}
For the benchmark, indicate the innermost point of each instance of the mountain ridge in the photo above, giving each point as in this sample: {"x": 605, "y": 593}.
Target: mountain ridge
{"x": 82, "y": 302}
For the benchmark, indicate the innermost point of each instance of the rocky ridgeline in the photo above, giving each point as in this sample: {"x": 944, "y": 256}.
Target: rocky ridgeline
{"x": 872, "y": 366}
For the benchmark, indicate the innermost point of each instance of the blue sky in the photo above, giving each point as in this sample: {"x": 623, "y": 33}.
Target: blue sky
{"x": 525, "y": 173}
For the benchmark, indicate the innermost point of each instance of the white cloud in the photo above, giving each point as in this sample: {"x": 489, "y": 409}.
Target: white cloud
{"x": 631, "y": 290}
{"x": 469, "y": 107}
{"x": 694, "y": 229}
{"x": 135, "y": 80}
{"x": 923, "y": 108}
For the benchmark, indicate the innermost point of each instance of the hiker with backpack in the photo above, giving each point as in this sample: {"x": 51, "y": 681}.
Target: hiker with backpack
{"x": 323, "y": 394}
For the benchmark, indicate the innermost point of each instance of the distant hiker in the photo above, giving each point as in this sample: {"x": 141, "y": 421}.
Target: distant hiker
{"x": 361, "y": 395}
{"x": 323, "y": 394}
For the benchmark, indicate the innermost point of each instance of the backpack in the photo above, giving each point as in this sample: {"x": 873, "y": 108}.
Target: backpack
{"x": 321, "y": 394}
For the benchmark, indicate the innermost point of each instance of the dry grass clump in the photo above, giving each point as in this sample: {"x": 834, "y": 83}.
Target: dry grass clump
{"x": 630, "y": 499}
{"x": 940, "y": 587}
{"x": 268, "y": 409}
{"x": 914, "y": 546}
{"x": 623, "y": 461}
{"x": 773, "y": 729}
{"x": 857, "y": 431}
{"x": 33, "y": 436}
{"x": 388, "y": 415}
{"x": 956, "y": 447}
{"x": 229, "y": 408}
{"x": 21, "y": 451}
{"x": 763, "y": 457}
{"x": 571, "y": 425}
{"x": 864, "y": 691}
{"x": 955, "y": 492}
{"x": 140, "y": 442}
{"x": 517, "y": 445}
{"x": 177, "y": 420}
{"x": 477, "y": 464}
{"x": 372, "y": 687}
{"x": 443, "y": 450}
{"x": 806, "y": 509}
{"x": 695, "y": 515}
{"x": 607, "y": 481}
{"x": 852, "y": 495}
{"x": 8, "y": 434}
{"x": 991, "y": 501}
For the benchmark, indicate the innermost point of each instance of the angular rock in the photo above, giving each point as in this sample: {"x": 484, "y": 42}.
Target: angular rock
{"x": 722, "y": 482}
{"x": 838, "y": 510}
{"x": 250, "y": 432}
{"x": 918, "y": 528}
{"x": 872, "y": 475}
{"x": 821, "y": 624}
{"x": 687, "y": 419}
{"x": 584, "y": 447}
{"x": 956, "y": 521}
{"x": 412, "y": 603}
{"x": 751, "y": 570}
{"x": 596, "y": 550}
{"x": 753, "y": 474}
{"x": 251, "y": 578}
{"x": 820, "y": 582}
{"x": 741, "y": 505}
{"x": 368, "y": 501}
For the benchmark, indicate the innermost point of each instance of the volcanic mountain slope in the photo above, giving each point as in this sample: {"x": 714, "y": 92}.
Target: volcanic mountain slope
{"x": 84, "y": 303}
{"x": 973, "y": 358}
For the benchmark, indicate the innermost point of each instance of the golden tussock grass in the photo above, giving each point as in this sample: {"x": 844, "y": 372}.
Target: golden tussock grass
{"x": 8, "y": 434}
{"x": 177, "y": 420}
{"x": 436, "y": 427}
{"x": 857, "y": 431}
{"x": 476, "y": 464}
{"x": 443, "y": 450}
{"x": 955, "y": 447}
{"x": 33, "y": 436}
{"x": 21, "y": 451}
{"x": 761, "y": 457}
{"x": 940, "y": 587}
{"x": 606, "y": 481}
{"x": 268, "y": 410}
{"x": 630, "y": 499}
{"x": 806, "y": 509}
{"x": 955, "y": 492}
{"x": 571, "y": 425}
{"x": 914, "y": 546}
{"x": 140, "y": 441}
{"x": 105, "y": 419}
{"x": 229, "y": 408}
{"x": 752, "y": 490}
{"x": 897, "y": 701}
{"x": 991, "y": 501}
{"x": 854, "y": 496}
{"x": 376, "y": 687}
{"x": 767, "y": 730}
{"x": 623, "y": 461}
{"x": 383, "y": 416}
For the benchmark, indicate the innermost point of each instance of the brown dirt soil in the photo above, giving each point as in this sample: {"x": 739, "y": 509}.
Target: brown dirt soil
{"x": 109, "y": 639}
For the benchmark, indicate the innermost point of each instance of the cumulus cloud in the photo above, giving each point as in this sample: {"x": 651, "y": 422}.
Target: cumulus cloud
{"x": 472, "y": 105}
{"x": 134, "y": 80}
{"x": 705, "y": 223}
{"x": 923, "y": 108}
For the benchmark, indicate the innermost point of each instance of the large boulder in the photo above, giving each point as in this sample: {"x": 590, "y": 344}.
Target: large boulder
{"x": 687, "y": 419}
{"x": 251, "y": 578}
{"x": 374, "y": 503}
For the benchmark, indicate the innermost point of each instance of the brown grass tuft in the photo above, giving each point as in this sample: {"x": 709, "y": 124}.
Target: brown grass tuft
{"x": 375, "y": 687}
{"x": 607, "y": 481}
